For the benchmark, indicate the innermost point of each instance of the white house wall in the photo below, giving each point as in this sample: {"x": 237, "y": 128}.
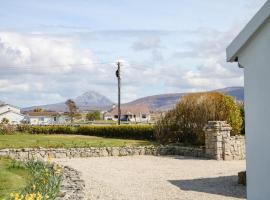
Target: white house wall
{"x": 13, "y": 118}
{"x": 6, "y": 108}
{"x": 255, "y": 58}
{"x": 39, "y": 121}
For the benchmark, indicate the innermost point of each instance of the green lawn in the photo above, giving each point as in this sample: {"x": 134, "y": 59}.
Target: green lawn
{"x": 11, "y": 179}
{"x": 64, "y": 141}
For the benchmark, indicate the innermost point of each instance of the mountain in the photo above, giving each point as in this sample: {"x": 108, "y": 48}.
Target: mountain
{"x": 236, "y": 92}
{"x": 165, "y": 102}
{"x": 90, "y": 100}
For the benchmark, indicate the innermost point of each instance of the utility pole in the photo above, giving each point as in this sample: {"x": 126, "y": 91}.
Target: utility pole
{"x": 118, "y": 75}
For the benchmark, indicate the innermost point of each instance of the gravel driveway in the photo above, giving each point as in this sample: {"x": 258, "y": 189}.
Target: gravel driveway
{"x": 159, "y": 178}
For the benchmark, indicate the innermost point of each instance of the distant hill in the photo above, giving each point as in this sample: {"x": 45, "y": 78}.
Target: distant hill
{"x": 165, "y": 102}
{"x": 236, "y": 92}
{"x": 90, "y": 100}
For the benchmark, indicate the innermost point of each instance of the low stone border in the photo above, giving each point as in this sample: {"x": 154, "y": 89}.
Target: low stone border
{"x": 72, "y": 186}
{"x": 42, "y": 153}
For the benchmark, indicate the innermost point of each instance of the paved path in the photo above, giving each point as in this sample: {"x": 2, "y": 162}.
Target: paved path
{"x": 159, "y": 178}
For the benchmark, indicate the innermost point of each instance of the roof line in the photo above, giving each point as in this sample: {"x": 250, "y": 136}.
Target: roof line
{"x": 12, "y": 112}
{"x": 6, "y": 104}
{"x": 249, "y": 30}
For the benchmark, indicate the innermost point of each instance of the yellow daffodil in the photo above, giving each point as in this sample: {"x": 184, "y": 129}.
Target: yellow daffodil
{"x": 17, "y": 196}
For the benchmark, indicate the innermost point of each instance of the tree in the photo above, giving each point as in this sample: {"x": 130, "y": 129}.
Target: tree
{"x": 91, "y": 116}
{"x": 185, "y": 123}
{"x": 38, "y": 109}
{"x": 5, "y": 121}
{"x": 72, "y": 109}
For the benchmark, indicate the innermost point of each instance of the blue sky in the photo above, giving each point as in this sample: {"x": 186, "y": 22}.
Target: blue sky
{"x": 167, "y": 46}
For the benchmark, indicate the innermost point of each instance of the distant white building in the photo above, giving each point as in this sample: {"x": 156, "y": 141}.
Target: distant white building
{"x": 44, "y": 118}
{"x": 12, "y": 113}
{"x": 138, "y": 113}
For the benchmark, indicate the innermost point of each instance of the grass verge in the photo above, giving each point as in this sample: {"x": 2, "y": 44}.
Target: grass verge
{"x": 12, "y": 178}
{"x": 64, "y": 141}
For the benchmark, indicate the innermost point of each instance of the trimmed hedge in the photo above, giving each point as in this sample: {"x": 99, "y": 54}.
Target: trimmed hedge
{"x": 142, "y": 132}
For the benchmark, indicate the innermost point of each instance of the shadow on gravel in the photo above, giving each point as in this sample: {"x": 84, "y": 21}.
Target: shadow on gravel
{"x": 225, "y": 186}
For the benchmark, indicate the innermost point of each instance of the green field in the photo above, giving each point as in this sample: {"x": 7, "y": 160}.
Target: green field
{"x": 12, "y": 179}
{"x": 64, "y": 141}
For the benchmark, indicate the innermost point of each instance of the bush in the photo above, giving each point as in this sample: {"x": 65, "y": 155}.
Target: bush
{"x": 6, "y": 129}
{"x": 124, "y": 131}
{"x": 91, "y": 116}
{"x": 185, "y": 123}
{"x": 242, "y": 111}
{"x": 5, "y": 121}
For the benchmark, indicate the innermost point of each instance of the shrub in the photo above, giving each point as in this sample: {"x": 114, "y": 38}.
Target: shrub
{"x": 112, "y": 131}
{"x": 185, "y": 123}
{"x": 91, "y": 116}
{"x": 5, "y": 121}
{"x": 6, "y": 129}
{"x": 242, "y": 111}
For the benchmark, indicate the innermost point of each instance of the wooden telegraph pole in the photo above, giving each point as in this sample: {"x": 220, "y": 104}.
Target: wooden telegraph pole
{"x": 118, "y": 75}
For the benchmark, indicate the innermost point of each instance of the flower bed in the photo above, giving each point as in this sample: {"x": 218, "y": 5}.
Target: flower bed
{"x": 43, "y": 183}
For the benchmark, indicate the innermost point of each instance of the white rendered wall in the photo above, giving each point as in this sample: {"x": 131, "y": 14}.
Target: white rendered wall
{"x": 255, "y": 58}
{"x": 13, "y": 118}
{"x": 45, "y": 121}
{"x": 6, "y": 108}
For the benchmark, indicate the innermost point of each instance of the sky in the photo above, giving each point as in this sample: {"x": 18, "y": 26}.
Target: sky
{"x": 54, "y": 50}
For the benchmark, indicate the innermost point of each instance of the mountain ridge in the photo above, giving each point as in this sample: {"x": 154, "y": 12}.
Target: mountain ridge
{"x": 92, "y": 100}
{"x": 163, "y": 102}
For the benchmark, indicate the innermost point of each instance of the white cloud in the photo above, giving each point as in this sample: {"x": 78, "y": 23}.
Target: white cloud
{"x": 41, "y": 65}
{"x": 6, "y": 86}
{"x": 40, "y": 53}
{"x": 147, "y": 43}
{"x": 159, "y": 74}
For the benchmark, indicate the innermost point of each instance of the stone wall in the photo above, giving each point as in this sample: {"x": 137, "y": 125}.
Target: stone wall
{"x": 235, "y": 148}
{"x": 219, "y": 145}
{"x": 44, "y": 154}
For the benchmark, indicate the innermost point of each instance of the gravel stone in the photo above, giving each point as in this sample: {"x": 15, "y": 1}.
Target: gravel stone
{"x": 158, "y": 178}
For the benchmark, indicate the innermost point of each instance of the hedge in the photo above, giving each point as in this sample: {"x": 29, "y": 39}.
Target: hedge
{"x": 143, "y": 132}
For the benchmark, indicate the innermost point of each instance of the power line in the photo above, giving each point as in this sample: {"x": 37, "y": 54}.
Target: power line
{"x": 58, "y": 65}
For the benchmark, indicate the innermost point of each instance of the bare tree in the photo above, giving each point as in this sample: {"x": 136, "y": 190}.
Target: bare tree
{"x": 72, "y": 109}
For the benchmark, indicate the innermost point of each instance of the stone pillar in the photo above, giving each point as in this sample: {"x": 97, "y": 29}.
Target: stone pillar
{"x": 216, "y": 132}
